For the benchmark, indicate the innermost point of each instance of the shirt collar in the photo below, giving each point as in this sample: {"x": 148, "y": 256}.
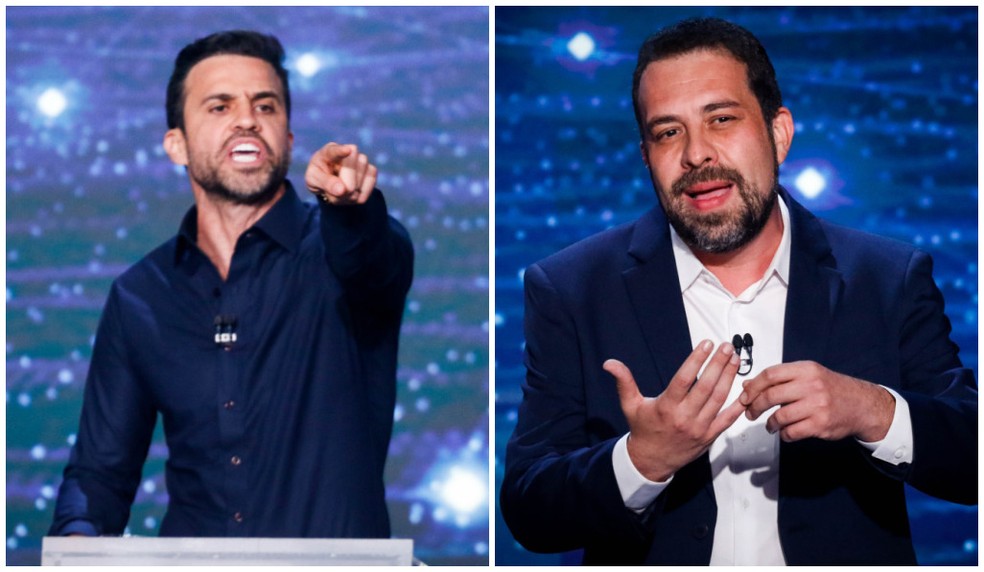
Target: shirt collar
{"x": 689, "y": 268}
{"x": 283, "y": 223}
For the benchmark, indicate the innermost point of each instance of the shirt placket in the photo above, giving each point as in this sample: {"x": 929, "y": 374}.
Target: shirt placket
{"x": 234, "y": 456}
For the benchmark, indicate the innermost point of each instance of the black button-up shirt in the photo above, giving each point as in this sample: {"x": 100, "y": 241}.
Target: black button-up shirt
{"x": 282, "y": 432}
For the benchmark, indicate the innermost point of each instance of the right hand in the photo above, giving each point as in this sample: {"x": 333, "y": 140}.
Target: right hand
{"x": 673, "y": 429}
{"x": 341, "y": 175}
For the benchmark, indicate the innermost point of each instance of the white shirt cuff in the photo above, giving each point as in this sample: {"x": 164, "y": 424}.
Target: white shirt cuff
{"x": 638, "y": 492}
{"x": 896, "y": 447}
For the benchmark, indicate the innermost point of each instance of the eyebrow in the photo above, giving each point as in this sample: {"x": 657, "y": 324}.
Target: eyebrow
{"x": 709, "y": 108}
{"x": 255, "y": 97}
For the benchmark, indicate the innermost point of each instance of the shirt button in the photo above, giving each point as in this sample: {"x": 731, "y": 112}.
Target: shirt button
{"x": 744, "y": 437}
{"x": 744, "y": 503}
{"x": 900, "y": 452}
{"x": 229, "y": 404}
{"x": 235, "y": 460}
{"x": 238, "y": 517}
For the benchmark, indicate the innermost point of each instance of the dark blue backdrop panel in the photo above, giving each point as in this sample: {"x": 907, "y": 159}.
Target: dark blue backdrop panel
{"x": 885, "y": 106}
{"x": 89, "y": 191}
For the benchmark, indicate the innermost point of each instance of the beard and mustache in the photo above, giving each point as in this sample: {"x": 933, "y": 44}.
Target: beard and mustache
{"x": 718, "y": 232}
{"x": 254, "y": 187}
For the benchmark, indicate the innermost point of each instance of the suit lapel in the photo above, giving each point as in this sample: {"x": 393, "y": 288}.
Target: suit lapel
{"x": 815, "y": 287}
{"x": 654, "y": 292}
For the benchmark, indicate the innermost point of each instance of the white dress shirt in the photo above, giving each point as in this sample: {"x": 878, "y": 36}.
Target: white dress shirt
{"x": 745, "y": 458}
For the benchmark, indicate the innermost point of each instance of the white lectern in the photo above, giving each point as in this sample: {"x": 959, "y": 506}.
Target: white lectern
{"x": 138, "y": 550}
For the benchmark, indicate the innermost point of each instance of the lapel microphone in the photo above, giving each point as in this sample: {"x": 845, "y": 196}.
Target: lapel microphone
{"x": 743, "y": 343}
{"x": 225, "y": 330}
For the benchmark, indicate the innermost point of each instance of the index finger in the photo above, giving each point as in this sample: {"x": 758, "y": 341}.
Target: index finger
{"x": 685, "y": 376}
{"x": 768, "y": 377}
{"x": 333, "y": 153}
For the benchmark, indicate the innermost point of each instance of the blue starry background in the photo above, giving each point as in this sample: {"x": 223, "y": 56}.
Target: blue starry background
{"x": 885, "y": 104}
{"x": 89, "y": 191}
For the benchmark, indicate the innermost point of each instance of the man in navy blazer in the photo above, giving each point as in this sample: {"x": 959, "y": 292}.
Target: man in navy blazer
{"x": 794, "y": 455}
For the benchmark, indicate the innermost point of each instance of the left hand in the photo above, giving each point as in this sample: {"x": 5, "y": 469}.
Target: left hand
{"x": 340, "y": 175}
{"x": 817, "y": 402}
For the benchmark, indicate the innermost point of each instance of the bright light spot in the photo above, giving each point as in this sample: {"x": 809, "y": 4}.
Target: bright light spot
{"x": 581, "y": 46}
{"x": 52, "y": 102}
{"x": 38, "y": 452}
{"x": 308, "y": 64}
{"x": 810, "y": 183}
{"x": 464, "y": 491}
{"x": 416, "y": 513}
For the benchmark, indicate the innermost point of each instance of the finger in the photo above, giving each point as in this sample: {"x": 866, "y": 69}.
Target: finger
{"x": 628, "y": 391}
{"x": 787, "y": 415}
{"x": 704, "y": 387}
{"x": 348, "y": 172}
{"x": 782, "y": 394}
{"x": 797, "y": 431}
{"x": 321, "y": 182}
{"x": 772, "y": 375}
{"x": 332, "y": 153}
{"x": 368, "y": 184}
{"x": 680, "y": 383}
{"x": 361, "y": 168}
{"x": 726, "y": 418}
{"x": 721, "y": 390}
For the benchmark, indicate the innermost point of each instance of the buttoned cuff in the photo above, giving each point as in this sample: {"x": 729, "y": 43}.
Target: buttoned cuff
{"x": 638, "y": 492}
{"x": 896, "y": 447}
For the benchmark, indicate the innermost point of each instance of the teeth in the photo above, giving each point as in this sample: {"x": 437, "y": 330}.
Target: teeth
{"x": 244, "y": 157}
{"x": 246, "y": 148}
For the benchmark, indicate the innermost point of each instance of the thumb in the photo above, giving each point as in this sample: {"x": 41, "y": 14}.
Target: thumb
{"x": 628, "y": 392}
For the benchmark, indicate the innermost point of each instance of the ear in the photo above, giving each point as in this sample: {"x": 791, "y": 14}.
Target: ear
{"x": 645, "y": 153}
{"x": 782, "y": 132}
{"x": 176, "y": 146}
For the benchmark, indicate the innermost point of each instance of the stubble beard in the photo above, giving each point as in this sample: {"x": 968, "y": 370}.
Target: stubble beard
{"x": 255, "y": 187}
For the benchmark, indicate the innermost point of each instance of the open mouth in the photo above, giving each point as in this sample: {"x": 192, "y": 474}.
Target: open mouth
{"x": 245, "y": 153}
{"x": 709, "y": 194}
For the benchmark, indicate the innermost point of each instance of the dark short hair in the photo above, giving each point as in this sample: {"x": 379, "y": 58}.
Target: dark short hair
{"x": 233, "y": 42}
{"x": 710, "y": 34}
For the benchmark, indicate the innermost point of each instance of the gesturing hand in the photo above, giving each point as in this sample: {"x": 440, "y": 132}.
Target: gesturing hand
{"x": 673, "y": 429}
{"x": 340, "y": 175}
{"x": 817, "y": 402}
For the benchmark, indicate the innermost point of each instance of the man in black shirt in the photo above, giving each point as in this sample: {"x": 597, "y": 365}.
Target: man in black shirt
{"x": 265, "y": 333}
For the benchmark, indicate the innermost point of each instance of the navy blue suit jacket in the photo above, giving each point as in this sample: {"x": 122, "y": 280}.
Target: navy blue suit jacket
{"x": 860, "y": 305}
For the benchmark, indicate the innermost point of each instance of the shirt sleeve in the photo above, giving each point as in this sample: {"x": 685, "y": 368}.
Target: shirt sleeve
{"x": 638, "y": 492}
{"x": 115, "y": 430}
{"x": 369, "y": 251}
{"x": 896, "y": 447}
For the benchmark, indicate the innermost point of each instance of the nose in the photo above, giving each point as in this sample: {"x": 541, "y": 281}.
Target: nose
{"x": 245, "y": 119}
{"x": 698, "y": 152}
